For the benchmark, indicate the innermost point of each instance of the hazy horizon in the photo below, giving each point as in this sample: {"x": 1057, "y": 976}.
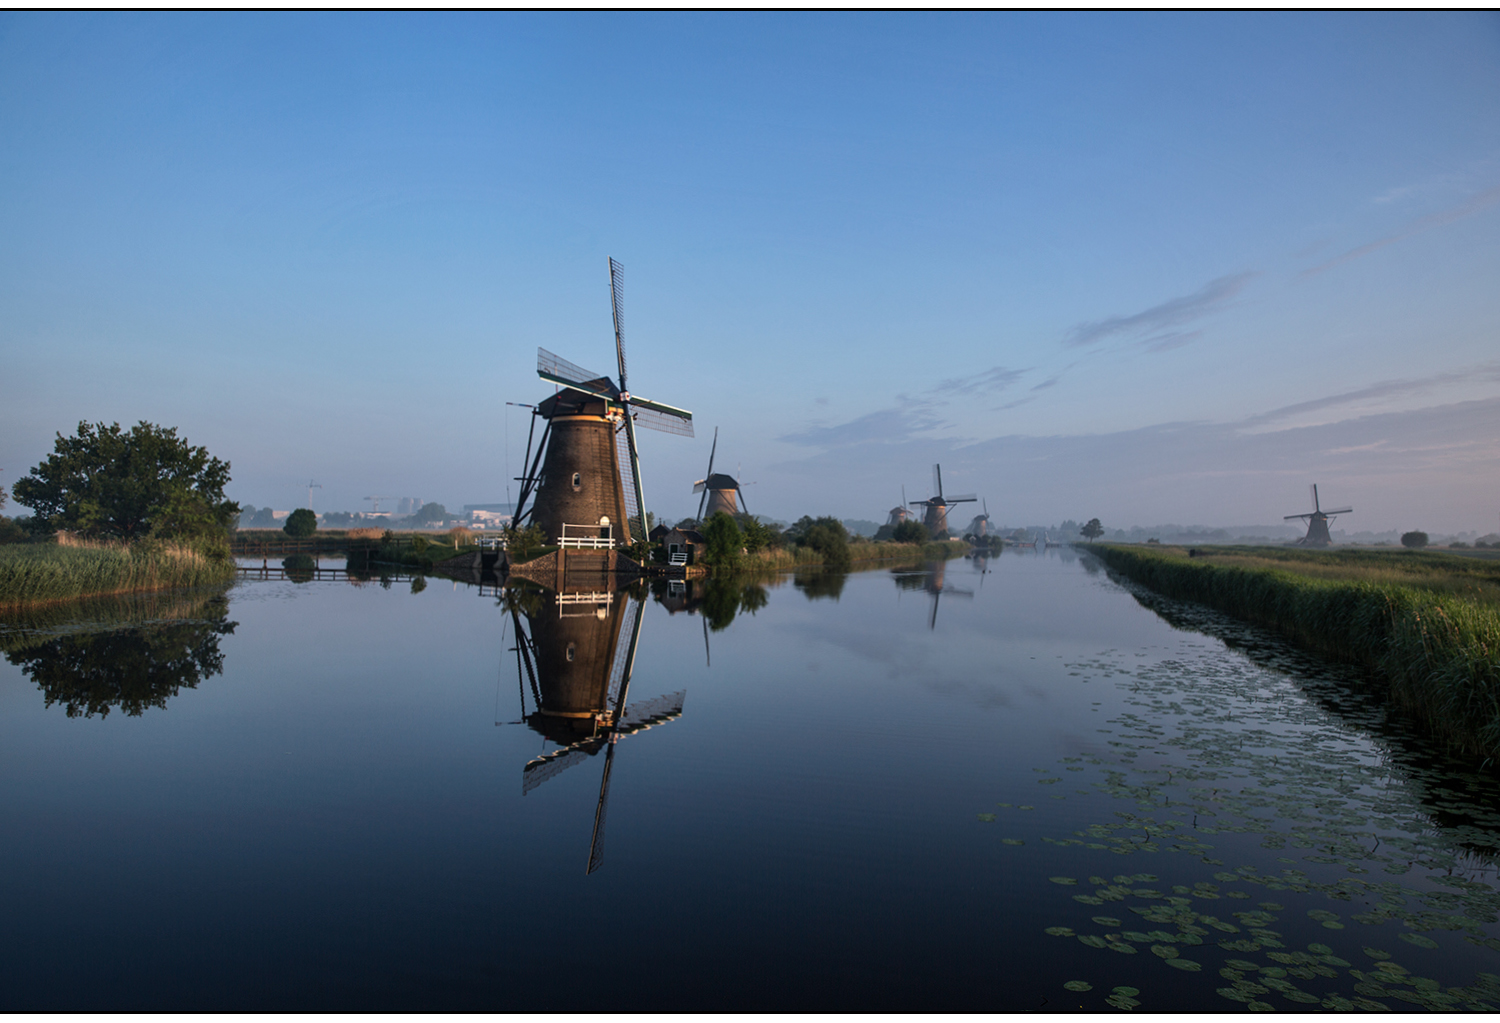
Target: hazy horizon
{"x": 1149, "y": 267}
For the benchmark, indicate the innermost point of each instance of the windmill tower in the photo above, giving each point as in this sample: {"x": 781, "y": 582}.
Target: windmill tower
{"x": 579, "y": 654}
{"x": 936, "y": 518}
{"x": 719, "y": 489}
{"x": 980, "y": 527}
{"x": 1317, "y": 522}
{"x": 590, "y": 468}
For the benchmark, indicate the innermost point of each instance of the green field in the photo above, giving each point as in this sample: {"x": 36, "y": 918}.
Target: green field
{"x": 32, "y": 574}
{"x": 1427, "y": 623}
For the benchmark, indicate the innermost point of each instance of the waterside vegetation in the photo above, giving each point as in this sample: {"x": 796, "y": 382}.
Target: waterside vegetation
{"x": 33, "y": 574}
{"x": 1427, "y": 624}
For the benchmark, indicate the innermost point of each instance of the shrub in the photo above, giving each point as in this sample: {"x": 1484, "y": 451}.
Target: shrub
{"x": 725, "y": 543}
{"x": 301, "y": 522}
{"x": 910, "y": 531}
{"x": 460, "y": 536}
{"x": 1416, "y": 539}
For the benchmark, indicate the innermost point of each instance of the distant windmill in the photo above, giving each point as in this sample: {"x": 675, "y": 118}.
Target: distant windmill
{"x": 937, "y": 506}
{"x": 980, "y": 527}
{"x": 591, "y": 473}
{"x": 719, "y": 489}
{"x": 899, "y": 514}
{"x": 1317, "y": 522}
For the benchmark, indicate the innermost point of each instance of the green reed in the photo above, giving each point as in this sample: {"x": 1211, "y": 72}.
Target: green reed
{"x": 1430, "y": 628}
{"x": 32, "y": 574}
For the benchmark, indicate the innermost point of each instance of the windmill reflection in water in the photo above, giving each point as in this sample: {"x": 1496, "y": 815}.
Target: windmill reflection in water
{"x": 575, "y": 651}
{"x": 932, "y": 579}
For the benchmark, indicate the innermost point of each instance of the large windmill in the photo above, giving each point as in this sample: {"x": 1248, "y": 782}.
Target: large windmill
{"x": 936, "y": 519}
{"x": 719, "y": 489}
{"x": 1317, "y": 522}
{"x": 590, "y": 467}
{"x": 579, "y": 655}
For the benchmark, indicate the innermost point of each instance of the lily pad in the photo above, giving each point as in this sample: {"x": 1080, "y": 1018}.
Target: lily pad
{"x": 1107, "y": 921}
{"x": 987, "y": 817}
{"x": 1419, "y": 940}
{"x": 1079, "y": 985}
{"x": 1377, "y": 953}
{"x": 1011, "y": 841}
{"x": 1126, "y": 990}
{"x": 1063, "y": 880}
{"x": 1184, "y": 964}
{"x": 1164, "y": 951}
{"x": 1060, "y": 932}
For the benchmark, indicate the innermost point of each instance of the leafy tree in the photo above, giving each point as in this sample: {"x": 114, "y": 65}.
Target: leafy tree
{"x": 1415, "y": 539}
{"x": 1091, "y": 529}
{"x": 430, "y": 513}
{"x": 758, "y": 535}
{"x": 302, "y": 522}
{"x": 146, "y": 482}
{"x": 910, "y": 531}
{"x": 263, "y": 519}
{"x": 687, "y": 524}
{"x": 725, "y": 543}
{"x": 827, "y": 536}
{"x": 520, "y": 541}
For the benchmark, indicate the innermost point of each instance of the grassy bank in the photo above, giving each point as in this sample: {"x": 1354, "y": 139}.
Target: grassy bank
{"x": 1426, "y": 623}
{"x": 778, "y": 559}
{"x": 33, "y": 574}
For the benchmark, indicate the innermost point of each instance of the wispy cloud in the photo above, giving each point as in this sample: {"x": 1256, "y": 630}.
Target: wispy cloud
{"x": 883, "y": 426}
{"x": 1476, "y": 204}
{"x": 990, "y": 381}
{"x": 1160, "y": 319}
{"x": 1488, "y": 372}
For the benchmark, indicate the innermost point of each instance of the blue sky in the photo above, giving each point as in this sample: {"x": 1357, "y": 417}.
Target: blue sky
{"x": 1164, "y": 267}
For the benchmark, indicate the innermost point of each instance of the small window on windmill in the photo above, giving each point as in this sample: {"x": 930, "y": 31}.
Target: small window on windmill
{"x": 572, "y": 649}
{"x": 578, "y": 481}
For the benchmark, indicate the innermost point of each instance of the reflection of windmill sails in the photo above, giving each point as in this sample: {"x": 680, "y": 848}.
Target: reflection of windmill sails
{"x": 579, "y": 656}
{"x": 932, "y": 580}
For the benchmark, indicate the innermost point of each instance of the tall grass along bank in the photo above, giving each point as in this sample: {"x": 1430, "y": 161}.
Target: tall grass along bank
{"x": 32, "y": 574}
{"x": 1432, "y": 635}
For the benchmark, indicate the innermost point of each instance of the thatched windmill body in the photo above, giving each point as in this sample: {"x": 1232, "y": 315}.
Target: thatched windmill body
{"x": 1317, "y": 522}
{"x": 721, "y": 491}
{"x": 936, "y": 517}
{"x": 586, "y": 471}
{"x": 980, "y": 527}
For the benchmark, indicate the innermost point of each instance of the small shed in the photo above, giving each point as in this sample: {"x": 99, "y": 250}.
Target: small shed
{"x": 656, "y": 534}
{"x": 683, "y": 546}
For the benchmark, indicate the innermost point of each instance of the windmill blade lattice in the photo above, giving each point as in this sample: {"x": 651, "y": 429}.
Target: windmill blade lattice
{"x": 661, "y": 422}
{"x": 554, "y": 367}
{"x": 617, "y": 307}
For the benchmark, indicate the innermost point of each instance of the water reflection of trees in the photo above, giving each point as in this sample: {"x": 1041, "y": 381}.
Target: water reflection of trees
{"x": 104, "y": 666}
{"x": 821, "y": 584}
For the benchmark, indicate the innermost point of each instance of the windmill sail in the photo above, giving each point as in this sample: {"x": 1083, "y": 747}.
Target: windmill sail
{"x": 553, "y": 367}
{"x": 617, "y": 307}
{"x": 628, "y": 489}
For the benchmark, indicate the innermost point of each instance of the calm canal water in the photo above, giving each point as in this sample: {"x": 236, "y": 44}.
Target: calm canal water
{"x": 944, "y": 789}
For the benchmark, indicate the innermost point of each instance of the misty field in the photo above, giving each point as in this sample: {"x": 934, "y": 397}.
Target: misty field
{"x": 1428, "y": 624}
